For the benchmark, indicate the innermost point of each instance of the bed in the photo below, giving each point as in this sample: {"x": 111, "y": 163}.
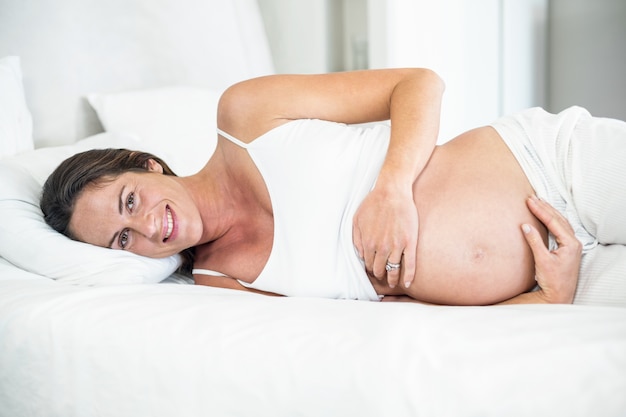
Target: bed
{"x": 86, "y": 331}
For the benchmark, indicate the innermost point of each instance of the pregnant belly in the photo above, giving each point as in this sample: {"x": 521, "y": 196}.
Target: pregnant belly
{"x": 471, "y": 200}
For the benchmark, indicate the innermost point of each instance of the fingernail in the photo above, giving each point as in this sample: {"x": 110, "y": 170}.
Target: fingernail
{"x": 526, "y": 228}
{"x": 407, "y": 284}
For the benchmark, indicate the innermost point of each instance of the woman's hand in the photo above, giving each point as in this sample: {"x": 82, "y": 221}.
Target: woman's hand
{"x": 385, "y": 226}
{"x": 385, "y": 234}
{"x": 556, "y": 271}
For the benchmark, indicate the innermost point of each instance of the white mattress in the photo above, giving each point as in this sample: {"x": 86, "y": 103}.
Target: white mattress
{"x": 168, "y": 349}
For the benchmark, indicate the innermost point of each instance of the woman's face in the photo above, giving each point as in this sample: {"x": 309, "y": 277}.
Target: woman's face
{"x": 149, "y": 214}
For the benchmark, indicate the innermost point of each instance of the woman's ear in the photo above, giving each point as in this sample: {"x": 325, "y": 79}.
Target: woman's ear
{"x": 154, "y": 166}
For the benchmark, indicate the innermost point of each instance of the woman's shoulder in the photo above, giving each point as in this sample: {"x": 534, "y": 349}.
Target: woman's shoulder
{"x": 244, "y": 113}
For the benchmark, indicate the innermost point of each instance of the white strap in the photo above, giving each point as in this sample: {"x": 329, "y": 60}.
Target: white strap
{"x": 199, "y": 271}
{"x": 232, "y": 139}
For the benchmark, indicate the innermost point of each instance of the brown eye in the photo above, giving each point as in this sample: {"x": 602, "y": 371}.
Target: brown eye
{"x": 123, "y": 240}
{"x": 130, "y": 201}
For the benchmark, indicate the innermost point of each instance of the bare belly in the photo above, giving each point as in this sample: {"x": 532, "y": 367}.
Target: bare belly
{"x": 471, "y": 204}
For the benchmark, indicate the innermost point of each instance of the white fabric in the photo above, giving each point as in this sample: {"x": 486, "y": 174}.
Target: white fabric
{"x": 29, "y": 243}
{"x": 16, "y": 124}
{"x": 576, "y": 162}
{"x": 179, "y": 120}
{"x": 598, "y": 179}
{"x": 188, "y": 351}
{"x": 317, "y": 174}
{"x": 598, "y": 184}
{"x": 540, "y": 142}
{"x": 602, "y": 278}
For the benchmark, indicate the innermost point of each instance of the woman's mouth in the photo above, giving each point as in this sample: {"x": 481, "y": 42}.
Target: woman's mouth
{"x": 170, "y": 224}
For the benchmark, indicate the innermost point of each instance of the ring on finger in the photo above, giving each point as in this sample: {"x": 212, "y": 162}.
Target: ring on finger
{"x": 390, "y": 266}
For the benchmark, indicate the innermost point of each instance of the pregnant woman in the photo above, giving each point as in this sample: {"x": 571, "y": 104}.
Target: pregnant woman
{"x": 298, "y": 201}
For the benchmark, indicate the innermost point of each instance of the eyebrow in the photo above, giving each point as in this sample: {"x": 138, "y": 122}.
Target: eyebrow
{"x": 113, "y": 240}
{"x": 120, "y": 207}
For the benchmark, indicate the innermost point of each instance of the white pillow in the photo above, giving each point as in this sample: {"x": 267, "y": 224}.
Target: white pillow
{"x": 29, "y": 243}
{"x": 179, "y": 120}
{"x": 16, "y": 125}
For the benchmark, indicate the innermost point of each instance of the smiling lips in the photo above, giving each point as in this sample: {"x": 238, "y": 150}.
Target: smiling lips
{"x": 170, "y": 224}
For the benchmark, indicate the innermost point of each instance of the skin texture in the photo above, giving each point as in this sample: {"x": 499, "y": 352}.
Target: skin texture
{"x": 451, "y": 215}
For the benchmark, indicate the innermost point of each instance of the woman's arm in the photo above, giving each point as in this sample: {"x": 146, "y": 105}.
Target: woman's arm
{"x": 386, "y": 224}
{"x": 408, "y": 96}
{"x": 226, "y": 282}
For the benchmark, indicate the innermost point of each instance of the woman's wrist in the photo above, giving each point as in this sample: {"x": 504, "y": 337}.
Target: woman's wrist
{"x": 556, "y": 297}
{"x": 394, "y": 184}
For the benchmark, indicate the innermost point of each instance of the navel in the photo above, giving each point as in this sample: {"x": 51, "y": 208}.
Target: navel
{"x": 478, "y": 255}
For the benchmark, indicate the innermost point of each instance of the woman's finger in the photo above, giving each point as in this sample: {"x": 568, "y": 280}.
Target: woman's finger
{"x": 393, "y": 267}
{"x": 380, "y": 262}
{"x": 535, "y": 241}
{"x": 357, "y": 241}
{"x": 556, "y": 223}
{"x": 409, "y": 263}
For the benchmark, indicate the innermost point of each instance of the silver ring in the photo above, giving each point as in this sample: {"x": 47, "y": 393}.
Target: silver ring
{"x": 390, "y": 266}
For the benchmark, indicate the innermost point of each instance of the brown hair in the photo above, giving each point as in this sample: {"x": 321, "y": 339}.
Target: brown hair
{"x": 72, "y": 176}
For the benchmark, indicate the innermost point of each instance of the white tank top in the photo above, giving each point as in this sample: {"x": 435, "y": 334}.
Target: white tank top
{"x": 317, "y": 173}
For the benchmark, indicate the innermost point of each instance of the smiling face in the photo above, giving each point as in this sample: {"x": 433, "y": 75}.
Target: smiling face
{"x": 146, "y": 213}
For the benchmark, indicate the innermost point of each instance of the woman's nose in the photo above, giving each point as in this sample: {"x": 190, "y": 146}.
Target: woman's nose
{"x": 147, "y": 225}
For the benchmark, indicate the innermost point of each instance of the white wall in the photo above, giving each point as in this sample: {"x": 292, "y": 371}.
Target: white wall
{"x": 552, "y": 53}
{"x": 298, "y": 33}
{"x": 588, "y": 56}
{"x": 491, "y": 53}
{"x": 354, "y": 35}
{"x": 524, "y": 57}
{"x": 315, "y": 36}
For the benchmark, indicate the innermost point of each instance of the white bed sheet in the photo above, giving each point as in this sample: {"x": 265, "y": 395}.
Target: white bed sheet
{"x": 166, "y": 349}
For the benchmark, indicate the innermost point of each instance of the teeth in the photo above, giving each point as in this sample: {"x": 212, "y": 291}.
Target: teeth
{"x": 170, "y": 224}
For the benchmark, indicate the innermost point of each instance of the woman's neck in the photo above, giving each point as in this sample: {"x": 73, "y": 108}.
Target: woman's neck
{"x": 224, "y": 207}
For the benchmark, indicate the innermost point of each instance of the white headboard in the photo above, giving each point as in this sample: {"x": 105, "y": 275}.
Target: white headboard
{"x": 70, "y": 48}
